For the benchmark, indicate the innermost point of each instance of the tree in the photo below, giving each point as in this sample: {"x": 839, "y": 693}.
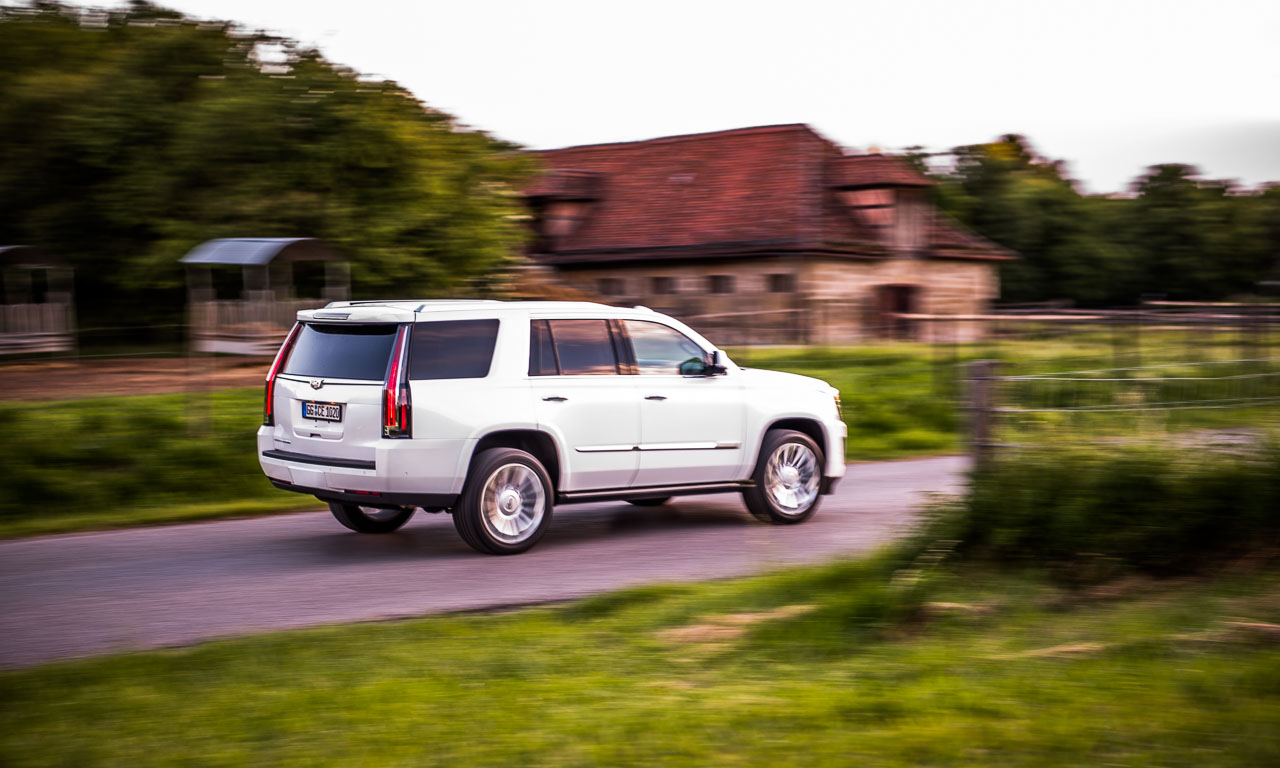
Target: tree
{"x": 128, "y": 137}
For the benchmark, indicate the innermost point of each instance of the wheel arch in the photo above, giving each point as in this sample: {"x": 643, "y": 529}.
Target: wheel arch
{"x": 539, "y": 444}
{"x": 805, "y": 425}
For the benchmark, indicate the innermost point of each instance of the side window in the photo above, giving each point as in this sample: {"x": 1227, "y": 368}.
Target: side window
{"x": 452, "y": 349}
{"x": 660, "y": 349}
{"x": 583, "y": 347}
{"x": 542, "y": 356}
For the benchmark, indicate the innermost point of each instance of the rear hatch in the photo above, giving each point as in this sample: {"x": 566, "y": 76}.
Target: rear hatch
{"x": 328, "y": 396}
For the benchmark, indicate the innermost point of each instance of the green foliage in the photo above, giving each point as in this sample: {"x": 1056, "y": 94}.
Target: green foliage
{"x": 128, "y": 455}
{"x": 1177, "y": 235}
{"x": 1089, "y": 513}
{"x": 131, "y": 136}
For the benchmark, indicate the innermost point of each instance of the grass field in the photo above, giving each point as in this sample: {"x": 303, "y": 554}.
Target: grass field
{"x": 876, "y": 662}
{"x": 167, "y": 458}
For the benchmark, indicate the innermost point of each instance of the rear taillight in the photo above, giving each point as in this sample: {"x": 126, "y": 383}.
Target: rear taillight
{"x": 268, "y": 404}
{"x": 397, "y": 406}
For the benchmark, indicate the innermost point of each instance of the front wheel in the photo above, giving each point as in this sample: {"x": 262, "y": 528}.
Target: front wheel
{"x": 370, "y": 519}
{"x": 506, "y": 502}
{"x": 787, "y": 478}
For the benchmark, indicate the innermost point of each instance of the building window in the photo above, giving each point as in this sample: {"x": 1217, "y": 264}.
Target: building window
{"x": 720, "y": 284}
{"x": 784, "y": 283}
{"x": 611, "y": 286}
{"x": 662, "y": 286}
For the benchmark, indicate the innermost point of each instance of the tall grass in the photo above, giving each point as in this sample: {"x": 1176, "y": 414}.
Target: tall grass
{"x": 1090, "y": 513}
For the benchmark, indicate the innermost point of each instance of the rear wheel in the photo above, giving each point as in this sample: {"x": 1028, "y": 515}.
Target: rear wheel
{"x": 506, "y": 502}
{"x": 649, "y": 502}
{"x": 787, "y": 478}
{"x": 370, "y": 519}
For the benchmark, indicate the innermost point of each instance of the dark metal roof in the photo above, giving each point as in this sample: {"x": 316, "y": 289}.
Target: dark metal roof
{"x": 256, "y": 251}
{"x": 28, "y": 257}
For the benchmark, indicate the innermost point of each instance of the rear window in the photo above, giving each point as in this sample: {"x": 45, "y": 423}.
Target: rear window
{"x": 452, "y": 349}
{"x": 342, "y": 351}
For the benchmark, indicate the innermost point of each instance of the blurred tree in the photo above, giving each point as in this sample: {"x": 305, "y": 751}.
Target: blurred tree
{"x": 1175, "y": 235}
{"x": 127, "y": 137}
{"x": 1009, "y": 194}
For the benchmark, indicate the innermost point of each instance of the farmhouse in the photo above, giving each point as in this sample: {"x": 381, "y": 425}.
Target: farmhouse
{"x": 765, "y": 234}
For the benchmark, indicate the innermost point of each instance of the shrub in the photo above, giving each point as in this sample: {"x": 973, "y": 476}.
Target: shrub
{"x": 1160, "y": 510}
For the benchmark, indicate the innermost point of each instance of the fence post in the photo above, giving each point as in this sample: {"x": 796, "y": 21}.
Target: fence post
{"x": 981, "y": 407}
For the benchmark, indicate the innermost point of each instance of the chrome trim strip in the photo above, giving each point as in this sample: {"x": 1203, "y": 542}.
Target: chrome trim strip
{"x": 604, "y": 448}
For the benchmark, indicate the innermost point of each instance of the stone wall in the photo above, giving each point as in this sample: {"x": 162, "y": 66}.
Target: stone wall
{"x": 834, "y": 301}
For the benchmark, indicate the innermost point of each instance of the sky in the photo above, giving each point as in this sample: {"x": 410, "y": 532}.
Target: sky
{"x": 1111, "y": 87}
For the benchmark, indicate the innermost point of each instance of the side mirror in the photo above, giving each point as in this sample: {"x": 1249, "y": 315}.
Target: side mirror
{"x": 716, "y": 367}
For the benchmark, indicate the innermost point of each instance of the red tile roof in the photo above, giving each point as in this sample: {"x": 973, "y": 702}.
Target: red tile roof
{"x": 767, "y": 189}
{"x": 853, "y": 171}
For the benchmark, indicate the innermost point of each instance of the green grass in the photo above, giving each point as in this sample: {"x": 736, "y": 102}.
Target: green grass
{"x": 895, "y": 665}
{"x": 168, "y": 458}
{"x": 117, "y": 461}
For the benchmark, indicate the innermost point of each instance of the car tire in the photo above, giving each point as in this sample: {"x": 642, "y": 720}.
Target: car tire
{"x": 787, "y": 481}
{"x": 370, "y": 519}
{"x": 649, "y": 502}
{"x": 506, "y": 502}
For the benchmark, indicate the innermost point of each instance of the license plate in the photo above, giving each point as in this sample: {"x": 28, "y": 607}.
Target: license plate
{"x": 321, "y": 411}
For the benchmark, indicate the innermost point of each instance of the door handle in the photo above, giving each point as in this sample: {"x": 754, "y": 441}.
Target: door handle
{"x": 656, "y": 397}
{"x": 555, "y": 399}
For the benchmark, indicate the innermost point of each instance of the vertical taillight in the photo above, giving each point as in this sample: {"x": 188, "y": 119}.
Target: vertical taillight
{"x": 397, "y": 405}
{"x": 268, "y": 404}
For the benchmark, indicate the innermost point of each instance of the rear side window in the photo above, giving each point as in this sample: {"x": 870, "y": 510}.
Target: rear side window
{"x": 580, "y": 347}
{"x": 342, "y": 351}
{"x": 452, "y": 349}
{"x": 542, "y": 356}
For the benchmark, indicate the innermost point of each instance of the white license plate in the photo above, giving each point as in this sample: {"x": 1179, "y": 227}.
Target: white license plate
{"x": 321, "y": 411}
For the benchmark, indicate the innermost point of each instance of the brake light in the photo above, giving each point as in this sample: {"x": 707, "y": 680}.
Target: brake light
{"x": 268, "y": 405}
{"x": 397, "y": 406}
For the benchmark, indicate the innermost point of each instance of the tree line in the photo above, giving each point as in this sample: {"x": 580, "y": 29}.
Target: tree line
{"x": 128, "y": 137}
{"x": 1174, "y": 234}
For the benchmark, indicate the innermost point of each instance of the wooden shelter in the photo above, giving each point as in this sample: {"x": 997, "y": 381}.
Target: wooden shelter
{"x": 38, "y": 313}
{"x": 268, "y": 303}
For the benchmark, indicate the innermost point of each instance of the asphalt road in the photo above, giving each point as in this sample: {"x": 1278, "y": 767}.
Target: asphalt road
{"x": 84, "y": 594}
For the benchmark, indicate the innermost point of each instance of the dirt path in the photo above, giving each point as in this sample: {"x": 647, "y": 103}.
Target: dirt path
{"x": 66, "y": 380}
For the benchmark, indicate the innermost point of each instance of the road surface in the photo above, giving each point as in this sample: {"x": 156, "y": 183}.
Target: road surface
{"x": 92, "y": 593}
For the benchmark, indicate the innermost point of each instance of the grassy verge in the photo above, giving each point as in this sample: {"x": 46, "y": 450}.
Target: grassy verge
{"x": 119, "y": 461}
{"x": 111, "y": 462}
{"x": 878, "y": 662}
{"x": 1091, "y": 514}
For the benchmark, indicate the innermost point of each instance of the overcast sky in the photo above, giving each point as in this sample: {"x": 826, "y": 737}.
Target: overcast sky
{"x": 1109, "y": 86}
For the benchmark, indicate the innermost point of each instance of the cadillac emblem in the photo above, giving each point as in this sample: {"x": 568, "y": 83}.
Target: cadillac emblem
{"x": 317, "y": 383}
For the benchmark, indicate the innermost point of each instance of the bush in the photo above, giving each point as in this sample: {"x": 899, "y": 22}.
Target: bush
{"x": 1083, "y": 513}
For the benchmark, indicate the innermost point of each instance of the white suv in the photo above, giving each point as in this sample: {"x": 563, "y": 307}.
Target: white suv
{"x": 497, "y": 411}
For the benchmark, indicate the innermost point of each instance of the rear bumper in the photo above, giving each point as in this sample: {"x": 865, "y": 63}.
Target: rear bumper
{"x": 374, "y": 499}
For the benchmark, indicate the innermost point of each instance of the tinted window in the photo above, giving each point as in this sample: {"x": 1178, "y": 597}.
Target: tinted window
{"x": 452, "y": 349}
{"x": 542, "y": 358}
{"x": 342, "y": 351}
{"x": 583, "y": 347}
{"x": 659, "y": 349}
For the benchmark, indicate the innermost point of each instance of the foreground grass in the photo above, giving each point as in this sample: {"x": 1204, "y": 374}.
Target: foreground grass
{"x": 880, "y": 665}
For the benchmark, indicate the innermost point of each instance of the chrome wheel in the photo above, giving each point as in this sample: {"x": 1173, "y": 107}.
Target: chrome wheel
{"x": 513, "y": 503}
{"x": 791, "y": 478}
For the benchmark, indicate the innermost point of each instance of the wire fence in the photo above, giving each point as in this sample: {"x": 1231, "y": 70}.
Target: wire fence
{"x": 1200, "y": 403}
